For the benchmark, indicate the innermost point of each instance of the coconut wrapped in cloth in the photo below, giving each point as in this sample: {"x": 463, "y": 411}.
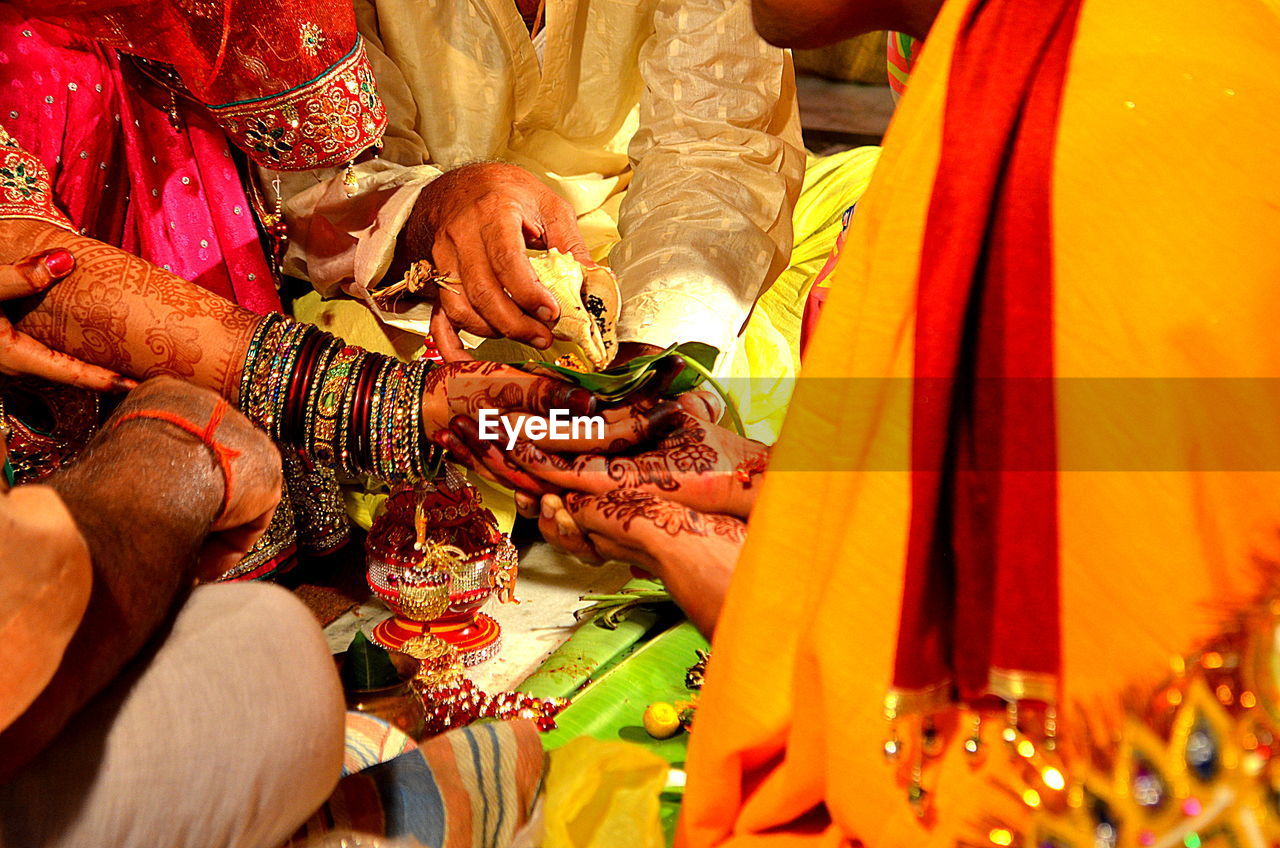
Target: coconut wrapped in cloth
{"x": 589, "y": 299}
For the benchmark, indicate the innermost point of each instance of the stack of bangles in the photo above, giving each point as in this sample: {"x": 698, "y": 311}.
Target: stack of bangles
{"x": 345, "y": 407}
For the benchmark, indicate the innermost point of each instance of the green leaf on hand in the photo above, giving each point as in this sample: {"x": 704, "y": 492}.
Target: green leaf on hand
{"x": 622, "y": 381}
{"x": 367, "y": 666}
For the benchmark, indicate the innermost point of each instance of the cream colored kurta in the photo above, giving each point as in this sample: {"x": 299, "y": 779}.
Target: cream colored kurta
{"x": 668, "y": 124}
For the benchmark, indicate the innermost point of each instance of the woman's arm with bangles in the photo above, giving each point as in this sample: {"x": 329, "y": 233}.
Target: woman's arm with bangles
{"x": 125, "y": 314}
{"x": 120, "y": 312}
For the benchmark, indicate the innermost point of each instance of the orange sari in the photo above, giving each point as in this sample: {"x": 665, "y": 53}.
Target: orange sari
{"x": 1164, "y": 206}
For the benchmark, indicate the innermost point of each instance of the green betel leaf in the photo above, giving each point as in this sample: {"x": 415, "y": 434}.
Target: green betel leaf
{"x": 691, "y": 377}
{"x": 619, "y": 383}
{"x": 367, "y": 666}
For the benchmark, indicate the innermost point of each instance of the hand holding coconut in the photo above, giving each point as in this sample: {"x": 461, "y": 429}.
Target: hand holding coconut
{"x": 474, "y": 224}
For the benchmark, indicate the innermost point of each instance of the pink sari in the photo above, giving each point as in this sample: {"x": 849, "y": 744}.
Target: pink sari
{"x": 121, "y": 171}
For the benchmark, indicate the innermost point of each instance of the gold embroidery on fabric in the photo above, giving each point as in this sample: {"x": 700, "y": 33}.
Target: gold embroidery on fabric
{"x": 899, "y": 702}
{"x": 1011, "y": 685}
{"x": 329, "y": 121}
{"x": 25, "y": 188}
{"x": 312, "y": 38}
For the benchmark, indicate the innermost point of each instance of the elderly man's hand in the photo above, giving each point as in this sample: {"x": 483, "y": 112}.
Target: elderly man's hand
{"x": 22, "y": 355}
{"x": 250, "y": 486}
{"x": 475, "y": 223}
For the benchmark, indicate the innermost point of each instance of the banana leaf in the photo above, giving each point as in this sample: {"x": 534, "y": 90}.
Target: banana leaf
{"x": 622, "y": 380}
{"x": 585, "y": 654}
{"x": 612, "y": 707}
{"x": 603, "y": 641}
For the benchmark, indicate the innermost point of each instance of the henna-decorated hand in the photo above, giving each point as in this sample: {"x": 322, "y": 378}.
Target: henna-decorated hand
{"x": 465, "y": 388}
{"x": 474, "y": 223}
{"x": 694, "y": 553}
{"x": 21, "y": 354}
{"x": 624, "y": 428}
{"x": 700, "y": 465}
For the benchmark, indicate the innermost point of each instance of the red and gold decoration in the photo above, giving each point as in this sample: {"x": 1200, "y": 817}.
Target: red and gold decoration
{"x": 1192, "y": 764}
{"x": 462, "y": 702}
{"x": 452, "y": 700}
{"x": 25, "y": 189}
{"x": 435, "y": 557}
{"x": 289, "y": 80}
{"x": 46, "y": 425}
{"x": 326, "y": 122}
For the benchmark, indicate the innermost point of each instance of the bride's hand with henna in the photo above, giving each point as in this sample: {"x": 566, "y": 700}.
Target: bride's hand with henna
{"x": 702, "y": 466}
{"x": 694, "y": 553}
{"x": 463, "y": 390}
{"x": 22, "y": 355}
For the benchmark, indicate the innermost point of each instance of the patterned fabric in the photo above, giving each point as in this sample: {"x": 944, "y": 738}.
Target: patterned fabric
{"x": 471, "y": 788}
{"x": 902, "y": 55}
{"x": 370, "y": 741}
{"x": 25, "y": 188}
{"x": 325, "y": 122}
{"x": 119, "y": 167}
{"x": 288, "y": 79}
{"x": 47, "y": 425}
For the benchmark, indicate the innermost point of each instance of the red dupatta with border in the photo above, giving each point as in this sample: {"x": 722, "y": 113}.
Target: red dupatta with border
{"x": 980, "y": 614}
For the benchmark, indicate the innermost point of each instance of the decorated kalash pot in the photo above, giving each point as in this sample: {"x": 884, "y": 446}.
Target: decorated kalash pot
{"x": 436, "y": 556}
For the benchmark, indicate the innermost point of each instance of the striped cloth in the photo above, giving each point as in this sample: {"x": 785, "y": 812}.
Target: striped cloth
{"x": 371, "y": 741}
{"x": 903, "y": 53}
{"x": 470, "y": 788}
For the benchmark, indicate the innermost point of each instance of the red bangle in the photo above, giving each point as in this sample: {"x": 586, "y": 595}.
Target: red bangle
{"x": 299, "y": 385}
{"x": 221, "y": 452}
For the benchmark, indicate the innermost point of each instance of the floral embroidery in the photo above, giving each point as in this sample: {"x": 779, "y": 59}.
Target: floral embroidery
{"x": 269, "y": 141}
{"x": 16, "y": 179}
{"x": 329, "y": 121}
{"x": 312, "y": 38}
{"x": 25, "y": 188}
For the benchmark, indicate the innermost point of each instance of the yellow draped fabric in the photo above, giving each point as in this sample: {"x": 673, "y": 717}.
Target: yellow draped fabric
{"x": 1166, "y": 207}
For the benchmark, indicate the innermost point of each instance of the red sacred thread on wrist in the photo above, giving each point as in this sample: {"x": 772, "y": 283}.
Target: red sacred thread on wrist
{"x": 221, "y": 452}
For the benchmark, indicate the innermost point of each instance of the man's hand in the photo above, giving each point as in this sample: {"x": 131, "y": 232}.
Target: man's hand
{"x": 22, "y": 355}
{"x": 144, "y": 497}
{"x": 475, "y": 223}
{"x": 251, "y": 488}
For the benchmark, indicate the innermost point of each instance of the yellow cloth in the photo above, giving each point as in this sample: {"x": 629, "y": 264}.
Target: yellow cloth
{"x": 675, "y": 105}
{"x": 760, "y": 372}
{"x": 603, "y": 794}
{"x": 1165, "y": 205}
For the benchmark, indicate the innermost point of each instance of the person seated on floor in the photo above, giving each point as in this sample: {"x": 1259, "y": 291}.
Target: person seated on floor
{"x": 134, "y": 710}
{"x": 979, "y": 604}
{"x": 141, "y": 114}
{"x": 661, "y": 138}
